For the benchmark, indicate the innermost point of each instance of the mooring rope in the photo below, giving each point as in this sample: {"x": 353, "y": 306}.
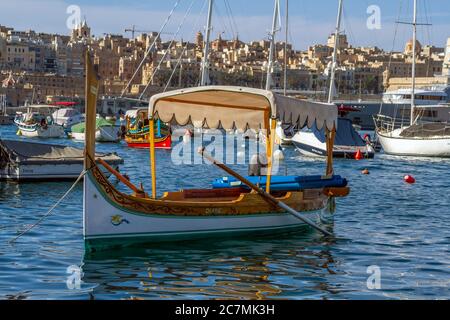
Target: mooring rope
{"x": 82, "y": 174}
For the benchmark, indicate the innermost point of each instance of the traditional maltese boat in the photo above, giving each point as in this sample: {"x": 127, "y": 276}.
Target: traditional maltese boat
{"x": 137, "y": 130}
{"x": 114, "y": 218}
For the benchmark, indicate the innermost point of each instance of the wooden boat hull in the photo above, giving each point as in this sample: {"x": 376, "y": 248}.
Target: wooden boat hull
{"x": 113, "y": 218}
{"x": 160, "y": 143}
{"x": 142, "y": 142}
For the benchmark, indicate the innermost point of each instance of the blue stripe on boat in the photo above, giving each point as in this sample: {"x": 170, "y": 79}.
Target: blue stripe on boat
{"x": 283, "y": 183}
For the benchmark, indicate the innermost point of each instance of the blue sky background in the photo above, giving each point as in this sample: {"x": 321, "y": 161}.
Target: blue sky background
{"x": 310, "y": 21}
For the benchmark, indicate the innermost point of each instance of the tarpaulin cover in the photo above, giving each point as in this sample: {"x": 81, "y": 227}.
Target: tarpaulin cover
{"x": 346, "y": 135}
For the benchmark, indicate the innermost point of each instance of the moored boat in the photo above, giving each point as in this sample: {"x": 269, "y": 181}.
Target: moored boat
{"x": 137, "y": 130}
{"x": 312, "y": 142}
{"x": 419, "y": 137}
{"x": 38, "y": 122}
{"x": 67, "y": 117}
{"x": 105, "y": 131}
{"x": 112, "y": 217}
{"x": 30, "y": 161}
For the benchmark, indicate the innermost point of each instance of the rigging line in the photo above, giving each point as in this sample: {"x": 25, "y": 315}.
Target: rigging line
{"x": 393, "y": 48}
{"x": 168, "y": 49}
{"x": 49, "y": 212}
{"x": 232, "y": 17}
{"x": 186, "y": 45}
{"x": 151, "y": 47}
{"x": 348, "y": 26}
{"x": 229, "y": 19}
{"x": 428, "y": 22}
{"x": 219, "y": 15}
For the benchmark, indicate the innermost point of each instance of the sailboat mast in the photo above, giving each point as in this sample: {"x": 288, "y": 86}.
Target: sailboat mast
{"x": 333, "y": 63}
{"x": 272, "y": 45}
{"x": 285, "y": 46}
{"x": 413, "y": 72}
{"x": 205, "y": 63}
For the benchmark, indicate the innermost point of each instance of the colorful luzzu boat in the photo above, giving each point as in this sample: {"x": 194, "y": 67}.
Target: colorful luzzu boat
{"x": 114, "y": 218}
{"x": 137, "y": 132}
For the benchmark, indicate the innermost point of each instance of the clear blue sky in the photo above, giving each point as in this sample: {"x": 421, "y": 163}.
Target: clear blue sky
{"x": 310, "y": 21}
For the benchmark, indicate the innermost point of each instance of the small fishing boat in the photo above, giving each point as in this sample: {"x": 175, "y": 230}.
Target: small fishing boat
{"x": 137, "y": 130}
{"x": 31, "y": 161}
{"x": 67, "y": 117}
{"x": 38, "y": 122}
{"x": 348, "y": 142}
{"x": 105, "y": 131}
{"x": 114, "y": 218}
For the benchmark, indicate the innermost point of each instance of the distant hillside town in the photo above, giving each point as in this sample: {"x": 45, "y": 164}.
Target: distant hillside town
{"x": 39, "y": 67}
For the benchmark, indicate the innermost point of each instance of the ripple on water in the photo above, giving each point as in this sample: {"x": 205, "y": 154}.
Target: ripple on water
{"x": 404, "y": 229}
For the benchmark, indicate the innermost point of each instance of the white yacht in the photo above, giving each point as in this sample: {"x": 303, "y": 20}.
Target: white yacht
{"x": 67, "y": 117}
{"x": 428, "y": 96}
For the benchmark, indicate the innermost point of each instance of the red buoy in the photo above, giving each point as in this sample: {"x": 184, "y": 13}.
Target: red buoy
{"x": 409, "y": 179}
{"x": 359, "y": 155}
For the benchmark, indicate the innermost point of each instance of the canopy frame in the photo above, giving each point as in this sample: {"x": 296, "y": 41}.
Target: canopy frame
{"x": 217, "y": 107}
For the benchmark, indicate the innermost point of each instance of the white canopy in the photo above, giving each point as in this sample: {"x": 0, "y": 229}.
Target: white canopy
{"x": 238, "y": 107}
{"x": 133, "y": 113}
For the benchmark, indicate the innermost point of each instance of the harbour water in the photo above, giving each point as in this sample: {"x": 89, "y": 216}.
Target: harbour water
{"x": 404, "y": 230}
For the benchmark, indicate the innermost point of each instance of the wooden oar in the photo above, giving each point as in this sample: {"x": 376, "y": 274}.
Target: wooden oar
{"x": 266, "y": 196}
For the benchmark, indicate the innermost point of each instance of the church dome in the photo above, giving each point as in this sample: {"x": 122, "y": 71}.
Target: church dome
{"x": 409, "y": 47}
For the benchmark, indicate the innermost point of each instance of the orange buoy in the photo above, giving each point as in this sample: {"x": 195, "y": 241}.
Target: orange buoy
{"x": 365, "y": 171}
{"x": 409, "y": 179}
{"x": 359, "y": 155}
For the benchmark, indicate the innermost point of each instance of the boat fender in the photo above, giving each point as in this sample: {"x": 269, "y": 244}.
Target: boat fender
{"x": 409, "y": 179}
{"x": 187, "y": 137}
{"x": 359, "y": 155}
{"x": 19, "y": 132}
{"x": 278, "y": 155}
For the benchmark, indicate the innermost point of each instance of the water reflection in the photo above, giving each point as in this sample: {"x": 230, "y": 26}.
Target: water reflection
{"x": 225, "y": 269}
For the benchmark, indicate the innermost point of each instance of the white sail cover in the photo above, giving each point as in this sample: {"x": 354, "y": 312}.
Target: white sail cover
{"x": 231, "y": 107}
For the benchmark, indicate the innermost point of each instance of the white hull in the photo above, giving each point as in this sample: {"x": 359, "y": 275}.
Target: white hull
{"x": 52, "y": 131}
{"x": 67, "y": 123}
{"x": 104, "y": 134}
{"x": 394, "y": 144}
{"x": 104, "y": 220}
